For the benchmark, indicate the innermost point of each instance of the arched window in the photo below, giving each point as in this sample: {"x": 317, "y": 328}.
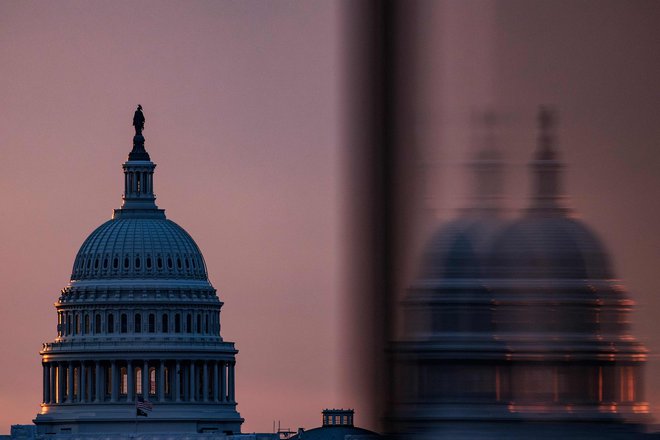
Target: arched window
{"x": 77, "y": 326}
{"x": 126, "y": 263}
{"x": 152, "y": 323}
{"x": 137, "y": 262}
{"x": 160, "y": 263}
{"x": 86, "y": 324}
{"x": 177, "y": 323}
{"x": 152, "y": 381}
{"x": 138, "y": 323}
{"x": 187, "y": 263}
{"x": 189, "y": 323}
{"x": 123, "y": 383}
{"x": 138, "y": 380}
{"x": 105, "y": 263}
{"x": 199, "y": 323}
{"x": 148, "y": 262}
{"x": 96, "y": 263}
{"x": 169, "y": 263}
{"x": 123, "y": 326}
{"x": 111, "y": 323}
{"x": 115, "y": 263}
{"x": 97, "y": 324}
{"x": 165, "y": 324}
{"x": 178, "y": 263}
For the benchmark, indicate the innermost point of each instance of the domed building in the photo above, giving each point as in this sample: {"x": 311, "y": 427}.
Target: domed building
{"x": 519, "y": 323}
{"x": 138, "y": 329}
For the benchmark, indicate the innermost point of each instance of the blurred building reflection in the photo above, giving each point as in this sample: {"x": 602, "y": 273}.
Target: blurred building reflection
{"x": 516, "y": 327}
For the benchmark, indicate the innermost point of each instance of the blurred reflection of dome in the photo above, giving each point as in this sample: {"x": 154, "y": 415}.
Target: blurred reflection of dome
{"x": 519, "y": 320}
{"x": 459, "y": 248}
{"x": 549, "y": 247}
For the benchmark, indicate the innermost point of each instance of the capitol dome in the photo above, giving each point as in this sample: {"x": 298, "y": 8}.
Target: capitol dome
{"x": 139, "y": 248}
{"x": 138, "y": 330}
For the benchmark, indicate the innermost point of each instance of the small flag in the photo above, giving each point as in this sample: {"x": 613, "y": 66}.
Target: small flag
{"x": 143, "y": 407}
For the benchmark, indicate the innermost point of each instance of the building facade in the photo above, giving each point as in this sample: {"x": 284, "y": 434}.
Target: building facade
{"x": 139, "y": 322}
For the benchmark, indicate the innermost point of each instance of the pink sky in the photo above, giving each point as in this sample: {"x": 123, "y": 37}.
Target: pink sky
{"x": 241, "y": 106}
{"x": 243, "y": 119}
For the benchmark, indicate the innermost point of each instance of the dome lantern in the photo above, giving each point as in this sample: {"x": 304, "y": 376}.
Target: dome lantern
{"x": 547, "y": 195}
{"x": 139, "y": 200}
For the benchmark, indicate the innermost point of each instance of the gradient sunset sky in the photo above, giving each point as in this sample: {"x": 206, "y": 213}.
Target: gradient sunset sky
{"x": 243, "y": 117}
{"x": 240, "y": 100}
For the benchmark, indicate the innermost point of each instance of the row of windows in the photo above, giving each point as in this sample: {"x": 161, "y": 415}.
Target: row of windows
{"x": 337, "y": 420}
{"x": 76, "y": 323}
{"x": 138, "y": 263}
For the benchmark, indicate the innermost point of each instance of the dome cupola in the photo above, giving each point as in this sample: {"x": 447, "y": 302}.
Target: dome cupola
{"x": 547, "y": 242}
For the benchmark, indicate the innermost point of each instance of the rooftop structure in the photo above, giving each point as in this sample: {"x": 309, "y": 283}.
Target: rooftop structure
{"x": 337, "y": 424}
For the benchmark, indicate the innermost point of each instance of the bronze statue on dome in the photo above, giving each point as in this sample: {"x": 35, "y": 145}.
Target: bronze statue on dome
{"x": 138, "y": 121}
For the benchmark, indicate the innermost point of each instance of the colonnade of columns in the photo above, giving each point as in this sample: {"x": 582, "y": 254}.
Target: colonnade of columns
{"x": 138, "y": 182}
{"x": 205, "y": 381}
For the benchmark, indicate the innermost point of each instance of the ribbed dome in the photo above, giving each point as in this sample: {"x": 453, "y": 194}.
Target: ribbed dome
{"x": 139, "y": 248}
{"x": 549, "y": 247}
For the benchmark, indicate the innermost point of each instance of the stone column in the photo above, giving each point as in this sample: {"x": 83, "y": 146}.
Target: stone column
{"x": 114, "y": 390}
{"x": 45, "y": 378}
{"x": 83, "y": 382}
{"x": 90, "y": 385}
{"x": 129, "y": 379}
{"x": 53, "y": 382}
{"x": 97, "y": 382}
{"x": 232, "y": 394}
{"x": 160, "y": 386}
{"x": 223, "y": 382}
{"x": 193, "y": 385}
{"x": 69, "y": 383}
{"x": 215, "y": 381}
{"x": 177, "y": 385}
{"x": 60, "y": 382}
{"x": 145, "y": 380}
{"x": 205, "y": 382}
